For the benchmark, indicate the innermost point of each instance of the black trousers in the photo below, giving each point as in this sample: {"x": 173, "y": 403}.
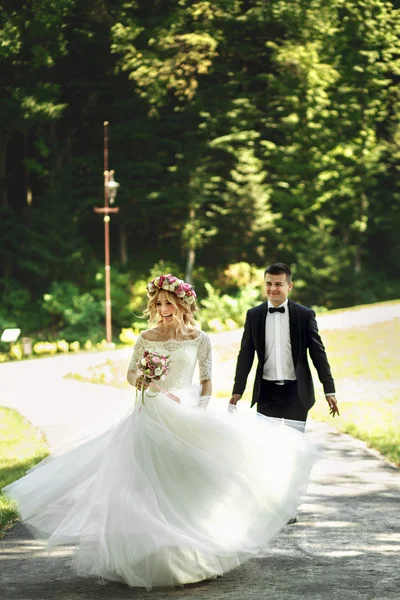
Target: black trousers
{"x": 281, "y": 401}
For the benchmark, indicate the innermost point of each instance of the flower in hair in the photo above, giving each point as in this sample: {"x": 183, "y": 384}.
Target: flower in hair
{"x": 172, "y": 284}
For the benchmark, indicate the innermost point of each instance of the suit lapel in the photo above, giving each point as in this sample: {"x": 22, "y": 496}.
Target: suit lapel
{"x": 294, "y": 326}
{"x": 261, "y": 332}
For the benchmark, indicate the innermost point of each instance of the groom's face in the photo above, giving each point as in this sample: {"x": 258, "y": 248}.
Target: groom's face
{"x": 277, "y": 288}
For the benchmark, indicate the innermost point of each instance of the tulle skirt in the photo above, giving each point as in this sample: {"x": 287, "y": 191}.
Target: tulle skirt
{"x": 173, "y": 494}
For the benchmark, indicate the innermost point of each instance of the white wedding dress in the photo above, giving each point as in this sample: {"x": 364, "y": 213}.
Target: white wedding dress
{"x": 174, "y": 493}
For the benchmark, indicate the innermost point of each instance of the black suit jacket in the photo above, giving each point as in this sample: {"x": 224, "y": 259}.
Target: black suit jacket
{"x": 303, "y": 336}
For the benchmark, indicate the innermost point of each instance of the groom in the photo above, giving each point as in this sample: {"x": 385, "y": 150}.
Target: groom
{"x": 280, "y": 332}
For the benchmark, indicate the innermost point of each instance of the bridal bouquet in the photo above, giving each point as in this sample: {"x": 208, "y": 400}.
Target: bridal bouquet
{"x": 152, "y": 367}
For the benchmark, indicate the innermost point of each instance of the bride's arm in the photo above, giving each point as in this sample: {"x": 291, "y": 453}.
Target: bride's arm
{"x": 132, "y": 377}
{"x": 206, "y": 387}
{"x": 205, "y": 365}
{"x": 136, "y": 356}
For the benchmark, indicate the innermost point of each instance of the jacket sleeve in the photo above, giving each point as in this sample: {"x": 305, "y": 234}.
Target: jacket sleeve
{"x": 318, "y": 355}
{"x": 245, "y": 359}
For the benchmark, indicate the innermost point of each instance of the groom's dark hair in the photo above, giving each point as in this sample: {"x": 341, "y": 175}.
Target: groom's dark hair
{"x": 279, "y": 269}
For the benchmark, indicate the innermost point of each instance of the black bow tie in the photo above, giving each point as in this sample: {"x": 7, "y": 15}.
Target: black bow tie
{"x": 280, "y": 309}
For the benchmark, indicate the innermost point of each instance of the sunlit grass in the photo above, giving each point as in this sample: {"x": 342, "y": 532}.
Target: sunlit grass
{"x": 376, "y": 422}
{"x": 365, "y": 362}
{"x": 371, "y": 351}
{"x": 360, "y": 307}
{"x": 108, "y": 373}
{"x": 21, "y": 447}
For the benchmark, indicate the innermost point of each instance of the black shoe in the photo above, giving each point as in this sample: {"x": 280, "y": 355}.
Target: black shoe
{"x": 291, "y": 521}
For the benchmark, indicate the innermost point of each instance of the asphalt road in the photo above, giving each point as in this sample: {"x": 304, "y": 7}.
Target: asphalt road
{"x": 345, "y": 546}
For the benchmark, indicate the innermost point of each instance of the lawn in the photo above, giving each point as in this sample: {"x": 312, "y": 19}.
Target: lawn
{"x": 365, "y": 362}
{"x": 21, "y": 447}
{"x": 371, "y": 352}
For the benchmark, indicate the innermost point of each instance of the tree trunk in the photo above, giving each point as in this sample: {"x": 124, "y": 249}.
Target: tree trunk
{"x": 3, "y": 168}
{"x": 123, "y": 245}
{"x": 25, "y": 153}
{"x": 191, "y": 251}
{"x": 190, "y": 261}
{"x": 360, "y": 235}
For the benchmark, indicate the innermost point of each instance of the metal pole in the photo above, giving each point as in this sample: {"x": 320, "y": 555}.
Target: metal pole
{"x": 107, "y": 238}
{"x": 106, "y": 210}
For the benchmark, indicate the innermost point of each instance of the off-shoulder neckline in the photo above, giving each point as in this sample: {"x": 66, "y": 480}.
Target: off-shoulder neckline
{"x": 173, "y": 339}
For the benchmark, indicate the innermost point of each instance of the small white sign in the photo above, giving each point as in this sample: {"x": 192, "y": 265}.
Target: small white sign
{"x": 10, "y": 335}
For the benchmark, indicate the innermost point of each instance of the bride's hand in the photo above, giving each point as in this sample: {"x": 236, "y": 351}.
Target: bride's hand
{"x": 141, "y": 384}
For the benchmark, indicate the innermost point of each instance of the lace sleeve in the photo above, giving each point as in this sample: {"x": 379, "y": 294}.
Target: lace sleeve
{"x": 204, "y": 358}
{"x": 137, "y": 353}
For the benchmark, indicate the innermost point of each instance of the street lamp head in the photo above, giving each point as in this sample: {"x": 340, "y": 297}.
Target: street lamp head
{"x": 112, "y": 187}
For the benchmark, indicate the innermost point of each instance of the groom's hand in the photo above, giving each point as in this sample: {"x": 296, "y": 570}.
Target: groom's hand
{"x": 235, "y": 398}
{"x": 333, "y": 406}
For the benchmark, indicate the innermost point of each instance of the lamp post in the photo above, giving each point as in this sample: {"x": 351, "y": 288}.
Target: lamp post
{"x": 110, "y": 191}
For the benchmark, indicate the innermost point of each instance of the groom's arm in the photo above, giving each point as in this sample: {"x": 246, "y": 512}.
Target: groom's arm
{"x": 244, "y": 360}
{"x": 320, "y": 361}
{"x": 318, "y": 355}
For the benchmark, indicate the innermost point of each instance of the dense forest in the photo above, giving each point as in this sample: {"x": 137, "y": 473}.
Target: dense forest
{"x": 242, "y": 132}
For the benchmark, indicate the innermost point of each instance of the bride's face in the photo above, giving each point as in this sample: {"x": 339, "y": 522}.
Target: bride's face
{"x": 167, "y": 311}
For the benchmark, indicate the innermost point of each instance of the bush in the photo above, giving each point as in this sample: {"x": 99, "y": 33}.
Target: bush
{"x": 238, "y": 276}
{"x": 74, "y": 346}
{"x": 128, "y": 336}
{"x": 221, "y": 312}
{"x": 104, "y": 345}
{"x": 77, "y": 316}
{"x": 41, "y": 348}
{"x": 18, "y": 308}
{"x": 15, "y": 352}
{"x": 62, "y": 346}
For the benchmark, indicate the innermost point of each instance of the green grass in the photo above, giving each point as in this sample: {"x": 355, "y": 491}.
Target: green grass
{"x": 371, "y": 351}
{"x": 376, "y": 422}
{"x": 365, "y": 362}
{"x": 108, "y": 373}
{"x": 21, "y": 447}
{"x": 359, "y": 307}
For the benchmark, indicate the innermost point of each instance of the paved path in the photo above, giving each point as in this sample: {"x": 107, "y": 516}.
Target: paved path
{"x": 346, "y": 545}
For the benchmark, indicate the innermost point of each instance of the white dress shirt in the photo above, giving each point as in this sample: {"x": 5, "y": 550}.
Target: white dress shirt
{"x": 278, "y": 364}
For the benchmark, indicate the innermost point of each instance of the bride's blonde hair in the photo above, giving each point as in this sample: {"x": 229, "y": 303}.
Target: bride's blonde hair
{"x": 185, "y": 310}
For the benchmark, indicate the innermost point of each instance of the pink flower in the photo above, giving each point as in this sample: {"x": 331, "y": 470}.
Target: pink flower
{"x": 186, "y": 286}
{"x": 156, "y": 360}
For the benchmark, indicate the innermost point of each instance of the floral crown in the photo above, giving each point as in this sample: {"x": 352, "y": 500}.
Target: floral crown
{"x": 169, "y": 283}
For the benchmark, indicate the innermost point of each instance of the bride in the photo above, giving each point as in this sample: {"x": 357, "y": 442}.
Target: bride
{"x": 176, "y": 492}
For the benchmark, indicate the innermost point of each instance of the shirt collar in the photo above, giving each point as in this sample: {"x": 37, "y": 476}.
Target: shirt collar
{"x": 270, "y": 305}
